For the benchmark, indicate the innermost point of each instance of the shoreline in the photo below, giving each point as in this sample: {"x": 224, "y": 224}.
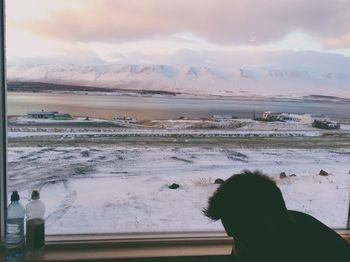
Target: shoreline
{"x": 103, "y": 91}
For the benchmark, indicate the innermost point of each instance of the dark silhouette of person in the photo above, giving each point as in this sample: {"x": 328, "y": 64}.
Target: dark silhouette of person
{"x": 252, "y": 211}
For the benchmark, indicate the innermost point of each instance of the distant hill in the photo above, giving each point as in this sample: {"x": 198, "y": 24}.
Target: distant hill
{"x": 25, "y": 86}
{"x": 262, "y": 82}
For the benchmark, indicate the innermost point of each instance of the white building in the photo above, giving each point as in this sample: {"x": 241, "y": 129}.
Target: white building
{"x": 271, "y": 115}
{"x": 301, "y": 118}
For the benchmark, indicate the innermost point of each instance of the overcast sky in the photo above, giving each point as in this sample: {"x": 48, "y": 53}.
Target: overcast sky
{"x": 145, "y": 30}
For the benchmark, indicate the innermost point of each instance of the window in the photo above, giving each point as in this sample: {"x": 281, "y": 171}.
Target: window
{"x": 135, "y": 142}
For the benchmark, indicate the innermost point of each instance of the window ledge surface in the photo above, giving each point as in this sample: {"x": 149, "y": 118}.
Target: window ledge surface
{"x": 134, "y": 248}
{"x": 106, "y": 247}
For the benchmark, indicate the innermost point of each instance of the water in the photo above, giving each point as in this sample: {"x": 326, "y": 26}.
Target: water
{"x": 147, "y": 108}
{"x": 15, "y": 245}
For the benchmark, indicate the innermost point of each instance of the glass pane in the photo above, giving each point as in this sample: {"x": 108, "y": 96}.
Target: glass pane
{"x": 124, "y": 114}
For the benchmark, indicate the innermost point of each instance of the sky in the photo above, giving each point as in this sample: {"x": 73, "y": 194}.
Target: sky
{"x": 155, "y": 31}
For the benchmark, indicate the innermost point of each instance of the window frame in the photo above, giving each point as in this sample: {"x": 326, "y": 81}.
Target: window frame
{"x": 213, "y": 244}
{"x": 3, "y": 124}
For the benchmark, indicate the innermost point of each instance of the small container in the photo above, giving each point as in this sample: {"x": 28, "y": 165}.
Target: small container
{"x": 15, "y": 244}
{"x": 35, "y": 225}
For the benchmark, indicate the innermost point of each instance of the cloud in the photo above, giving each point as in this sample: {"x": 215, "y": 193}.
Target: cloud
{"x": 309, "y": 61}
{"x": 217, "y": 21}
{"x": 338, "y": 42}
{"x": 80, "y": 60}
{"x": 228, "y": 60}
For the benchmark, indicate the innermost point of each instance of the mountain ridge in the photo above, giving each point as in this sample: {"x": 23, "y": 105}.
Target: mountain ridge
{"x": 196, "y": 80}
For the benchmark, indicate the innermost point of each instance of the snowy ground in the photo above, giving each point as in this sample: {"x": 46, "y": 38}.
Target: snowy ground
{"x": 125, "y": 189}
{"x": 113, "y": 187}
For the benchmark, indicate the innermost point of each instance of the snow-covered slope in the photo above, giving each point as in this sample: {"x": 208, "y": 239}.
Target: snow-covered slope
{"x": 191, "y": 80}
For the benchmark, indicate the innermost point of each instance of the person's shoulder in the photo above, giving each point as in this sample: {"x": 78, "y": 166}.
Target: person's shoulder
{"x": 318, "y": 235}
{"x": 303, "y": 218}
{"x": 309, "y": 223}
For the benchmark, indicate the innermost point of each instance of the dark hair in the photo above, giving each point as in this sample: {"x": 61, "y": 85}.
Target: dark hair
{"x": 248, "y": 194}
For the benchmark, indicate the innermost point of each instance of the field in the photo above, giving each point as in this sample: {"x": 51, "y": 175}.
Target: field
{"x": 115, "y": 180}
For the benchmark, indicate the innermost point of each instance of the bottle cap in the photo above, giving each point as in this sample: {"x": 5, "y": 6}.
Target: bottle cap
{"x": 35, "y": 195}
{"x": 14, "y": 196}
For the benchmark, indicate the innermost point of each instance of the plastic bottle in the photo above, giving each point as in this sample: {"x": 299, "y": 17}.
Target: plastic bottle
{"x": 35, "y": 225}
{"x": 15, "y": 244}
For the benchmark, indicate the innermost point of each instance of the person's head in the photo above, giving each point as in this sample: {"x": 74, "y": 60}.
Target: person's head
{"x": 248, "y": 204}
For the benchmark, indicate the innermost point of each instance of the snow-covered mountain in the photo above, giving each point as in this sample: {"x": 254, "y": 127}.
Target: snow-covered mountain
{"x": 190, "y": 79}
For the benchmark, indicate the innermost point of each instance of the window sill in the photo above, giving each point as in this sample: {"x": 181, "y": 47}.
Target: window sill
{"x": 134, "y": 247}
{"x": 174, "y": 247}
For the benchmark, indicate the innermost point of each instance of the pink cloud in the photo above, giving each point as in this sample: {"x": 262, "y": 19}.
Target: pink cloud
{"x": 219, "y": 21}
{"x": 338, "y": 42}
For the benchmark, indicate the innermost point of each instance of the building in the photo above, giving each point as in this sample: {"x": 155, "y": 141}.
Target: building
{"x": 290, "y": 117}
{"x": 324, "y": 124}
{"x": 301, "y": 118}
{"x": 271, "y": 116}
{"x": 54, "y": 115}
